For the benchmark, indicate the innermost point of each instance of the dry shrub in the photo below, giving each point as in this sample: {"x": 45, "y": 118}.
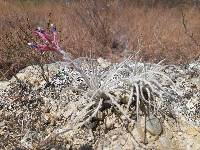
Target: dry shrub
{"x": 98, "y": 28}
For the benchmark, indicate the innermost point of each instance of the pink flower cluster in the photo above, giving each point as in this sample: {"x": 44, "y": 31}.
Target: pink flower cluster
{"x": 49, "y": 41}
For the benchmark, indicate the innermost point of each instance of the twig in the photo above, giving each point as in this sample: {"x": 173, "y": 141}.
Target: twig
{"x": 22, "y": 84}
{"x": 44, "y": 76}
{"x": 190, "y": 35}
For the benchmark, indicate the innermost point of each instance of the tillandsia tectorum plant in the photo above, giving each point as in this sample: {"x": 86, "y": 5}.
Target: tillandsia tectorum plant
{"x": 147, "y": 87}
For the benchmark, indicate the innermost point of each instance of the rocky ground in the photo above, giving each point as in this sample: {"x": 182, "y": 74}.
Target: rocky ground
{"x": 32, "y": 112}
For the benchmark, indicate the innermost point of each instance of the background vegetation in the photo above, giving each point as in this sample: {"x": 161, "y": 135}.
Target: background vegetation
{"x": 111, "y": 29}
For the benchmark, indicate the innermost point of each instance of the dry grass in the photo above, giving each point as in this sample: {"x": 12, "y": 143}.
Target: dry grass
{"x": 99, "y": 29}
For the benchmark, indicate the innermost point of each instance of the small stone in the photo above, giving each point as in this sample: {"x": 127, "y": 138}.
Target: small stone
{"x": 105, "y": 145}
{"x": 114, "y": 137}
{"x": 117, "y": 146}
{"x": 123, "y": 141}
{"x": 4, "y": 85}
{"x": 110, "y": 122}
{"x": 2, "y": 124}
{"x": 192, "y": 131}
{"x": 104, "y": 63}
{"x": 179, "y": 133}
{"x": 165, "y": 142}
{"x": 153, "y": 125}
{"x": 46, "y": 117}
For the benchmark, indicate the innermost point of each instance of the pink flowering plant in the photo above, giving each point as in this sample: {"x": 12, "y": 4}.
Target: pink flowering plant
{"x": 48, "y": 41}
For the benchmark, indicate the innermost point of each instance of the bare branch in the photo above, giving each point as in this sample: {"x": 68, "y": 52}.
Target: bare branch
{"x": 190, "y": 35}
